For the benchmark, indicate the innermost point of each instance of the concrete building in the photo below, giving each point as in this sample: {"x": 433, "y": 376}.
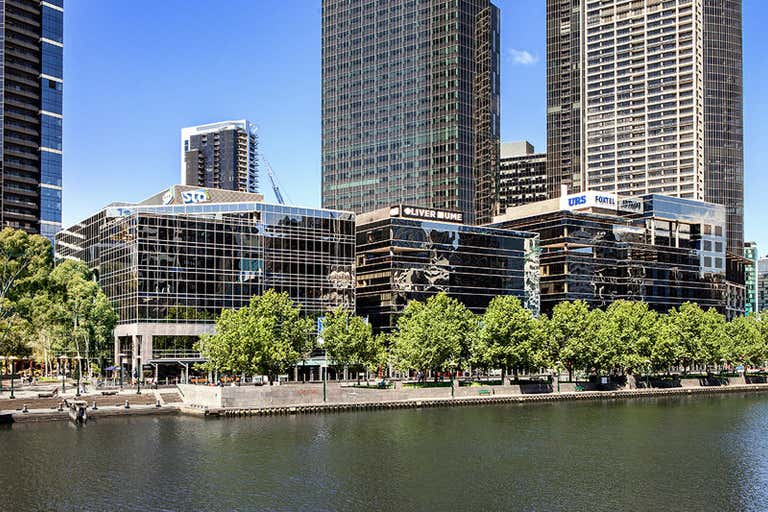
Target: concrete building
{"x": 522, "y": 175}
{"x": 409, "y": 253}
{"x": 751, "y": 277}
{"x": 31, "y": 86}
{"x": 410, "y": 105}
{"x": 599, "y": 247}
{"x": 221, "y": 155}
{"x": 171, "y": 263}
{"x": 645, "y": 97}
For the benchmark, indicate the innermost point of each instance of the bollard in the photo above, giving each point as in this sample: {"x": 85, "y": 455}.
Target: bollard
{"x": 127, "y": 405}
{"x": 24, "y": 409}
{"x": 60, "y": 407}
{"x": 94, "y": 405}
{"x": 157, "y": 403}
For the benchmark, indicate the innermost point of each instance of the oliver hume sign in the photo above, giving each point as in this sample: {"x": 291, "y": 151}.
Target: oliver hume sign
{"x": 415, "y": 212}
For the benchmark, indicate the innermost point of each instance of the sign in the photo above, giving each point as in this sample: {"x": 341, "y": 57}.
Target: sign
{"x": 168, "y": 196}
{"x": 588, "y": 199}
{"x": 119, "y": 211}
{"x": 320, "y": 321}
{"x": 195, "y": 196}
{"x": 631, "y": 205}
{"x": 414, "y": 212}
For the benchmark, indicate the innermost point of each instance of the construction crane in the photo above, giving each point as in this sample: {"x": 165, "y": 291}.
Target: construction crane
{"x": 272, "y": 180}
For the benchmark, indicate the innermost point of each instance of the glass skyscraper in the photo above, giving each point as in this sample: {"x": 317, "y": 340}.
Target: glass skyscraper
{"x": 410, "y": 107}
{"x": 31, "y": 83}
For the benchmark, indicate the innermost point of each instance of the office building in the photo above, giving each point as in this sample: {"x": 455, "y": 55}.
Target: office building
{"x": 751, "y": 278}
{"x": 31, "y": 85}
{"x": 762, "y": 283}
{"x": 410, "y": 105}
{"x": 221, "y": 155}
{"x": 409, "y": 253}
{"x": 522, "y": 175}
{"x": 644, "y": 97}
{"x": 171, "y": 263}
{"x": 599, "y": 247}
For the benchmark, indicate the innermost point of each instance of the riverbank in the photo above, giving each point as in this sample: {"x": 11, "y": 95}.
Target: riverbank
{"x": 497, "y": 396}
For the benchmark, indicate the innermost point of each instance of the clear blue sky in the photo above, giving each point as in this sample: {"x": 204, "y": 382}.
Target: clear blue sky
{"x": 137, "y": 72}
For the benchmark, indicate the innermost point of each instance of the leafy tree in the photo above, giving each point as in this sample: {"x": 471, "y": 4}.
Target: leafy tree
{"x": 746, "y": 342}
{"x": 627, "y": 335}
{"x": 570, "y": 334}
{"x": 349, "y": 340}
{"x": 510, "y": 337}
{"x": 266, "y": 337}
{"x": 433, "y": 335}
{"x": 698, "y": 335}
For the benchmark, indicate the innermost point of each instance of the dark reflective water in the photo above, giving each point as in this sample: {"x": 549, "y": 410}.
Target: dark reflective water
{"x": 675, "y": 454}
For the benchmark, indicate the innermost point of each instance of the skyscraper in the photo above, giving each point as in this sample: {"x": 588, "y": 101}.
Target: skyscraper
{"x": 31, "y": 84}
{"x": 751, "y": 304}
{"x": 644, "y": 96}
{"x": 410, "y": 108}
{"x": 522, "y": 175}
{"x": 221, "y": 155}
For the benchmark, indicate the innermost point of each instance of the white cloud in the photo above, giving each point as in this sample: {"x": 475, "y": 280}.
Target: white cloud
{"x": 523, "y": 57}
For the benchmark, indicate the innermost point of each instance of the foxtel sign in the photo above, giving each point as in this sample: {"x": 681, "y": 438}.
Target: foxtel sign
{"x": 588, "y": 199}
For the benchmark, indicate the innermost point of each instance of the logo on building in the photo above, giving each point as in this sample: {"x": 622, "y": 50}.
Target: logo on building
{"x": 588, "y": 199}
{"x": 195, "y": 196}
{"x": 414, "y": 212}
{"x": 168, "y": 196}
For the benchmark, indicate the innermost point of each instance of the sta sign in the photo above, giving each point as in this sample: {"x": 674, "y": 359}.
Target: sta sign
{"x": 588, "y": 199}
{"x": 195, "y": 196}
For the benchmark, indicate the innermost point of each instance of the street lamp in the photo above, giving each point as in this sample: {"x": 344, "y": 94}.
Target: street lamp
{"x": 79, "y": 360}
{"x": 647, "y": 374}
{"x": 13, "y": 370}
{"x": 138, "y": 375}
{"x": 722, "y": 372}
{"x": 557, "y": 367}
{"x": 2, "y": 370}
{"x": 63, "y": 370}
{"x": 120, "y": 362}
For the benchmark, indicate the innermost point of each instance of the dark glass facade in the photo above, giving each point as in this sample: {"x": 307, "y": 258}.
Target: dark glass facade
{"x": 564, "y": 101}
{"x": 724, "y": 114}
{"x": 400, "y": 259}
{"x": 410, "y": 105}
{"x": 666, "y": 252}
{"x": 31, "y": 83}
{"x": 522, "y": 180}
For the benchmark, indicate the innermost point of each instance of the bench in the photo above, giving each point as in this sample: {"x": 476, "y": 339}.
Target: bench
{"x": 49, "y": 394}
{"x": 484, "y": 392}
{"x": 109, "y": 393}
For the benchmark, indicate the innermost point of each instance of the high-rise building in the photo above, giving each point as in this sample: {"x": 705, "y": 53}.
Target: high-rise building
{"x": 724, "y": 113}
{"x": 751, "y": 304}
{"x": 645, "y": 96}
{"x": 410, "y": 107}
{"x": 522, "y": 175}
{"x": 762, "y": 283}
{"x": 31, "y": 84}
{"x": 221, "y": 155}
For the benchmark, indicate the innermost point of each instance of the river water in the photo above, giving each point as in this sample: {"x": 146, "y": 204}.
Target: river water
{"x": 699, "y": 453}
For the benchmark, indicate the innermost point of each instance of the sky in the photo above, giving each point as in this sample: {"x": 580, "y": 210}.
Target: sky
{"x": 136, "y": 72}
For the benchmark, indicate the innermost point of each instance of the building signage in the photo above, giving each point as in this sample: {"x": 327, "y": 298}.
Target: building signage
{"x": 168, "y": 196}
{"x": 414, "y": 212}
{"x": 631, "y": 205}
{"x": 119, "y": 211}
{"x": 195, "y": 196}
{"x": 588, "y": 199}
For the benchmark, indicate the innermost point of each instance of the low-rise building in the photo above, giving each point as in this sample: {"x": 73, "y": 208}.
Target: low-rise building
{"x": 663, "y": 250}
{"x": 171, "y": 263}
{"x": 408, "y": 253}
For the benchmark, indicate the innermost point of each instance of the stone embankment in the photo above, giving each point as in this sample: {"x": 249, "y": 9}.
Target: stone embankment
{"x": 252, "y": 401}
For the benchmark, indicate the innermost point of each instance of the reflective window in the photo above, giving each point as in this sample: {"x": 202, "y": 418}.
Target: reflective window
{"x": 50, "y": 164}
{"x": 50, "y": 204}
{"x": 53, "y": 24}
{"x": 52, "y": 93}
{"x": 51, "y": 132}
{"x": 53, "y": 58}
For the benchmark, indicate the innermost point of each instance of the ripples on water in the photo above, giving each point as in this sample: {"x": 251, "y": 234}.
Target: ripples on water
{"x": 668, "y": 454}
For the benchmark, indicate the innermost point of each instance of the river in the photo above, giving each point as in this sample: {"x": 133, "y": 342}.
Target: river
{"x": 697, "y": 453}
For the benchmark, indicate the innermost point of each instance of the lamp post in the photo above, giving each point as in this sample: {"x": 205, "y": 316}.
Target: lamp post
{"x": 2, "y": 370}
{"x": 647, "y": 374}
{"x": 138, "y": 375}
{"x": 557, "y": 367}
{"x": 13, "y": 370}
{"x": 120, "y": 362}
{"x": 722, "y": 372}
{"x": 79, "y": 359}
{"x": 63, "y": 370}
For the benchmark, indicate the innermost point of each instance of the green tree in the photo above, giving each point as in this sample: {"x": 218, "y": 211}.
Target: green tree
{"x": 698, "y": 335}
{"x": 746, "y": 342}
{"x": 266, "y": 337}
{"x": 433, "y": 335}
{"x": 509, "y": 337}
{"x": 570, "y": 333}
{"x": 349, "y": 341}
{"x": 628, "y": 333}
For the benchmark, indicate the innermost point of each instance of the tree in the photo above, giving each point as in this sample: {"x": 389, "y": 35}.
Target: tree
{"x": 433, "y": 335}
{"x": 266, "y": 337}
{"x": 628, "y": 332}
{"x": 746, "y": 342}
{"x": 698, "y": 335}
{"x": 510, "y": 337}
{"x": 570, "y": 333}
{"x": 349, "y": 340}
